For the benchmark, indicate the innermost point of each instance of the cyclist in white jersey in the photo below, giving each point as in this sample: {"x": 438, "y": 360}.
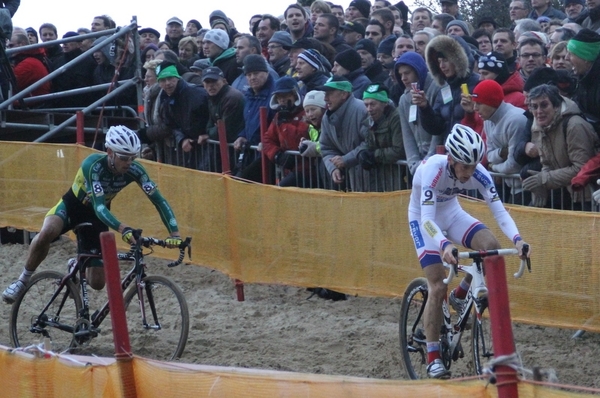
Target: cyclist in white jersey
{"x": 436, "y": 220}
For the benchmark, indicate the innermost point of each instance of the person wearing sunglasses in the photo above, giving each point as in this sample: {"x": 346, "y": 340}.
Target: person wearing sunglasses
{"x": 99, "y": 179}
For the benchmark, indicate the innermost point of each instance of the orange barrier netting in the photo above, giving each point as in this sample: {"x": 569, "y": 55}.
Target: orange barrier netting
{"x": 25, "y": 376}
{"x": 358, "y": 243}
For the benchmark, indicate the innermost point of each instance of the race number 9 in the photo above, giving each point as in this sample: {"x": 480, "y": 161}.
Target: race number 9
{"x": 428, "y": 194}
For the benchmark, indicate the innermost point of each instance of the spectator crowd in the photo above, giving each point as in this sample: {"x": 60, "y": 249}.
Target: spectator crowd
{"x": 353, "y": 91}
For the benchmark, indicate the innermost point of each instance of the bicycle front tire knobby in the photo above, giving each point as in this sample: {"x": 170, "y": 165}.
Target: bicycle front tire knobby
{"x": 481, "y": 339}
{"x": 167, "y": 319}
{"x": 28, "y": 328}
{"x": 412, "y": 329}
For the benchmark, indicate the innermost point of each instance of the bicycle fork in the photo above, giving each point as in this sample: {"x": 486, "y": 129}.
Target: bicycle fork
{"x": 141, "y": 288}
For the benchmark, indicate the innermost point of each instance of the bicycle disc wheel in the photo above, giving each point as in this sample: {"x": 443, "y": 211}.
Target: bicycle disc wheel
{"x": 481, "y": 341}
{"x": 62, "y": 312}
{"x": 412, "y": 329}
{"x": 167, "y": 319}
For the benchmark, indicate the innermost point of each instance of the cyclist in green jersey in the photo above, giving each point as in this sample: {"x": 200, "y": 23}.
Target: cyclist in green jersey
{"x": 99, "y": 179}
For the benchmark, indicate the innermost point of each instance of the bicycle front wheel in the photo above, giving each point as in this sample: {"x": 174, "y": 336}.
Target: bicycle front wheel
{"x": 481, "y": 341}
{"x": 27, "y": 323}
{"x": 413, "y": 343}
{"x": 163, "y": 333}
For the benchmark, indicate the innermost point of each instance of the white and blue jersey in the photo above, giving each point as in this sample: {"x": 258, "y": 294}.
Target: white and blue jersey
{"x": 434, "y": 208}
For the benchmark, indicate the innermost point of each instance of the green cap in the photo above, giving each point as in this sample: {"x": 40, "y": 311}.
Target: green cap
{"x": 376, "y": 92}
{"x": 169, "y": 71}
{"x": 337, "y": 83}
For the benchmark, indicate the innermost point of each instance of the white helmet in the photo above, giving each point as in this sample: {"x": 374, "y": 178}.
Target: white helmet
{"x": 123, "y": 140}
{"x": 465, "y": 145}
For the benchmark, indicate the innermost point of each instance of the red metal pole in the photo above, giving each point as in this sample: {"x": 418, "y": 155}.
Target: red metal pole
{"x": 117, "y": 314}
{"x": 79, "y": 118}
{"x": 225, "y": 165}
{"x": 502, "y": 334}
{"x": 264, "y": 126}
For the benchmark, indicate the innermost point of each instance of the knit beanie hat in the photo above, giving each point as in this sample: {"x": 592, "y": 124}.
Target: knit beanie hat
{"x": 567, "y": 2}
{"x": 461, "y": 24}
{"x": 387, "y": 45}
{"x": 312, "y": 57}
{"x": 32, "y": 31}
{"x": 316, "y": 98}
{"x": 539, "y": 76}
{"x": 367, "y": 45}
{"x": 488, "y": 92}
{"x": 494, "y": 62}
{"x": 219, "y": 37}
{"x": 283, "y": 38}
{"x": 488, "y": 20}
{"x": 218, "y": 17}
{"x": 255, "y": 63}
{"x": 585, "y": 45}
{"x": 349, "y": 59}
{"x": 377, "y": 92}
{"x": 196, "y": 23}
{"x": 166, "y": 69}
{"x": 364, "y": 6}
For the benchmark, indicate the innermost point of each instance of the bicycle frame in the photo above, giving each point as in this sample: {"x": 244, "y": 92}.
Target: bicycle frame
{"x": 476, "y": 296}
{"x": 93, "y": 322}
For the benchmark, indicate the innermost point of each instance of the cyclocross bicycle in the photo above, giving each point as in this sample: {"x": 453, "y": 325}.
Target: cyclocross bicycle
{"x": 413, "y": 342}
{"x": 56, "y": 305}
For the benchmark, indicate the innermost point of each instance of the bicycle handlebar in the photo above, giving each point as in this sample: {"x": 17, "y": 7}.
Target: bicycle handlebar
{"x": 150, "y": 241}
{"x": 486, "y": 253}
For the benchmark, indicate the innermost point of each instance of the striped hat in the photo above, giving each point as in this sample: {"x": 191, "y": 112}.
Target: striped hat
{"x": 312, "y": 57}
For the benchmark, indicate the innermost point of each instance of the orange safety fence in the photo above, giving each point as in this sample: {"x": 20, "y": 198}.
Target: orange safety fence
{"x": 23, "y": 375}
{"x": 358, "y": 243}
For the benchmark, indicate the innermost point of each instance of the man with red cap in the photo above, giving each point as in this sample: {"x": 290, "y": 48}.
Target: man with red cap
{"x": 504, "y": 126}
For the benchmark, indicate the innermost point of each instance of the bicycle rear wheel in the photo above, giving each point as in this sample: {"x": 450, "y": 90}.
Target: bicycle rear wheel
{"x": 412, "y": 329}
{"x": 481, "y": 341}
{"x": 58, "y": 321}
{"x": 165, "y": 333}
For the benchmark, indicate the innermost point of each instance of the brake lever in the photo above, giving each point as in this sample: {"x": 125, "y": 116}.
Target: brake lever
{"x": 182, "y": 246}
{"x": 527, "y": 259}
{"x": 455, "y": 255}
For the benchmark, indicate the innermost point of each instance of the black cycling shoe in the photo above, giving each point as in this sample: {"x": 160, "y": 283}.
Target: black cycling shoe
{"x": 326, "y": 294}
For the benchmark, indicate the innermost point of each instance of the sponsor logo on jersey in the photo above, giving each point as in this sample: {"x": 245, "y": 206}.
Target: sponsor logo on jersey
{"x": 95, "y": 176}
{"x": 453, "y": 191}
{"x": 430, "y": 228}
{"x": 173, "y": 222}
{"x": 416, "y": 234}
{"x": 148, "y": 188}
{"x": 100, "y": 208}
{"x": 436, "y": 179}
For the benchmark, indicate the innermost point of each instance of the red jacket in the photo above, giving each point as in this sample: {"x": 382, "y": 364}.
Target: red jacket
{"x": 513, "y": 91}
{"x": 30, "y": 69}
{"x": 588, "y": 174}
{"x": 285, "y": 136}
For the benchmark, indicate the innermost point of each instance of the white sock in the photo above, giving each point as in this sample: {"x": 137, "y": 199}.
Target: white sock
{"x": 25, "y": 275}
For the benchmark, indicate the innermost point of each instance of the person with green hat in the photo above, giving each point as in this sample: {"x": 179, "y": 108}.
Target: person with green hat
{"x": 341, "y": 135}
{"x": 185, "y": 109}
{"x": 583, "y": 52}
{"x": 383, "y": 146}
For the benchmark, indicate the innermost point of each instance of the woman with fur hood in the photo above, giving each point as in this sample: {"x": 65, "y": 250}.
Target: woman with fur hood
{"x": 450, "y": 62}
